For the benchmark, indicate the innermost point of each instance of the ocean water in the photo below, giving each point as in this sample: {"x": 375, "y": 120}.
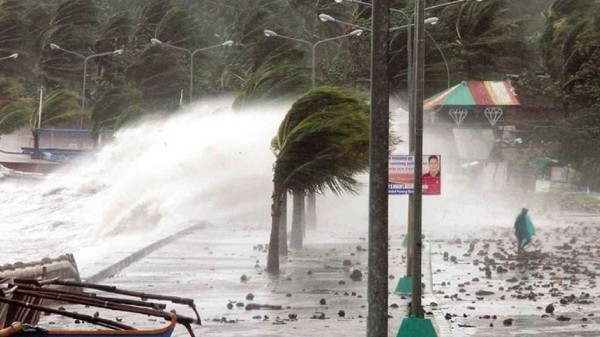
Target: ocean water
{"x": 204, "y": 163}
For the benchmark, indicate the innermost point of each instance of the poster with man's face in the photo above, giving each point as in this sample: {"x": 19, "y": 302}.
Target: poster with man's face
{"x": 402, "y": 171}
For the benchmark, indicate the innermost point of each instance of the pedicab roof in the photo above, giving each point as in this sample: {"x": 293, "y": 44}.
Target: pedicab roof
{"x": 475, "y": 93}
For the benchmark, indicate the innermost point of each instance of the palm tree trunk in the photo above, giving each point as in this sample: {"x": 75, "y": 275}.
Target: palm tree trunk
{"x": 283, "y": 248}
{"x": 297, "y": 215}
{"x": 311, "y": 211}
{"x": 273, "y": 254}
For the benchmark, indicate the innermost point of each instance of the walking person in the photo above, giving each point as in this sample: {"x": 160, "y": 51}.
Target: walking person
{"x": 524, "y": 230}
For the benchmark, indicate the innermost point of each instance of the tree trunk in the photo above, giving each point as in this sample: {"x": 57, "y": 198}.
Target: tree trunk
{"x": 311, "y": 211}
{"x": 297, "y": 215}
{"x": 283, "y": 248}
{"x": 273, "y": 254}
{"x": 36, "y": 139}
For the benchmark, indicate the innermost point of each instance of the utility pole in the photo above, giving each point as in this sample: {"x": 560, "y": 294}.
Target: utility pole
{"x": 416, "y": 324}
{"x": 377, "y": 320}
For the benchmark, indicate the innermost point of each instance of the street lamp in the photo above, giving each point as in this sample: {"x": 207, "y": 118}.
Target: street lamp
{"x": 329, "y": 18}
{"x": 404, "y": 282}
{"x": 398, "y": 10}
{"x": 417, "y": 96}
{"x": 409, "y": 37}
{"x": 11, "y": 56}
{"x": 191, "y": 53}
{"x": 313, "y": 46}
{"x": 416, "y": 90}
{"x": 54, "y": 46}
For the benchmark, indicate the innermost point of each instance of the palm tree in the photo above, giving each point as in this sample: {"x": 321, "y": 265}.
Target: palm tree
{"x": 73, "y": 26}
{"x": 568, "y": 42}
{"x": 273, "y": 82}
{"x": 321, "y": 144}
{"x": 489, "y": 38}
{"x": 14, "y": 107}
{"x": 17, "y": 109}
{"x": 58, "y": 107}
{"x": 108, "y": 108}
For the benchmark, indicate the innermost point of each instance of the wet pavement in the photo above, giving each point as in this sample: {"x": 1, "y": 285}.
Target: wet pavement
{"x": 485, "y": 289}
{"x": 480, "y": 287}
{"x": 221, "y": 267}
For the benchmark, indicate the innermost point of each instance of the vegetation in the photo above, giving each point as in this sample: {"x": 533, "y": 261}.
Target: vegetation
{"x": 322, "y": 143}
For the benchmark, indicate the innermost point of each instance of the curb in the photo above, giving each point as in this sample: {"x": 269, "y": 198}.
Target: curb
{"x": 113, "y": 269}
{"x": 442, "y": 325}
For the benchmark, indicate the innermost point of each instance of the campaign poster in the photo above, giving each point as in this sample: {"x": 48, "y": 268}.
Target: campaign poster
{"x": 401, "y": 174}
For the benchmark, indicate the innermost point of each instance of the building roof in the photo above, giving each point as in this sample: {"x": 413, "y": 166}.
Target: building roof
{"x": 474, "y": 93}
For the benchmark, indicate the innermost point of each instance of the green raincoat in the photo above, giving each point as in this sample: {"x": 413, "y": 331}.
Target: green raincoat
{"x": 524, "y": 229}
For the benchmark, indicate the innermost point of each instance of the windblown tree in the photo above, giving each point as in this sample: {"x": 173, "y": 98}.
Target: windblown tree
{"x": 271, "y": 67}
{"x": 570, "y": 38}
{"x": 14, "y": 37}
{"x": 322, "y": 143}
{"x": 17, "y": 109}
{"x": 14, "y": 106}
{"x": 73, "y": 26}
{"x": 490, "y": 39}
{"x": 570, "y": 48}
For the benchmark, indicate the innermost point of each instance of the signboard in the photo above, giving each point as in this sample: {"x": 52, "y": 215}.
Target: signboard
{"x": 402, "y": 171}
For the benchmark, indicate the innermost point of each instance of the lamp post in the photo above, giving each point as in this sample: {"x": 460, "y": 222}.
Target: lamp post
{"x": 313, "y": 47}
{"x": 85, "y": 60}
{"x": 191, "y": 53}
{"x": 377, "y": 294}
{"x": 405, "y": 284}
{"x": 329, "y": 18}
{"x": 11, "y": 56}
{"x": 418, "y": 59}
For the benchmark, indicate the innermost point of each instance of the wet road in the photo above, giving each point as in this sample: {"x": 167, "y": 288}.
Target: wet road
{"x": 217, "y": 267}
{"x": 508, "y": 298}
{"x": 551, "y": 291}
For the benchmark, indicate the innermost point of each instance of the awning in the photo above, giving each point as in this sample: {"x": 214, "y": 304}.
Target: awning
{"x": 474, "y": 93}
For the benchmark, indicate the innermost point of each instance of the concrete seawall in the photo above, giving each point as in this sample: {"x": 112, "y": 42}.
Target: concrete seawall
{"x": 65, "y": 266}
{"x": 116, "y": 267}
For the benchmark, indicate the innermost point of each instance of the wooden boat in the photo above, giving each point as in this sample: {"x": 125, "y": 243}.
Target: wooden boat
{"x": 19, "y": 329}
{"x": 21, "y": 303}
{"x": 22, "y": 162}
{"x": 53, "y": 149}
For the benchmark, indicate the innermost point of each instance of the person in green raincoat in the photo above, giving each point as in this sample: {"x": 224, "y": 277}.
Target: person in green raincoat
{"x": 524, "y": 229}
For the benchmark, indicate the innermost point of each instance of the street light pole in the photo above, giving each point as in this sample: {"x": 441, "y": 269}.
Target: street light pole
{"x": 416, "y": 309}
{"x": 329, "y": 18}
{"x": 405, "y": 284}
{"x": 313, "y": 46}
{"x": 85, "y": 60}
{"x": 192, "y": 53}
{"x": 377, "y": 289}
{"x": 11, "y": 56}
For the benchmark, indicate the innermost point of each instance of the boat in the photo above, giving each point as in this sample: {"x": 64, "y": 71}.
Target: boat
{"x": 30, "y": 295}
{"x": 18, "y": 329}
{"x": 25, "y": 162}
{"x": 51, "y": 149}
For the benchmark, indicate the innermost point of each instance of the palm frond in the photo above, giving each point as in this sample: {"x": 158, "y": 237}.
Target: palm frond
{"x": 322, "y": 142}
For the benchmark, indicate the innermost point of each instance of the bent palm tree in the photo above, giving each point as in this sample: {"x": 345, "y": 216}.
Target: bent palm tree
{"x": 321, "y": 144}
